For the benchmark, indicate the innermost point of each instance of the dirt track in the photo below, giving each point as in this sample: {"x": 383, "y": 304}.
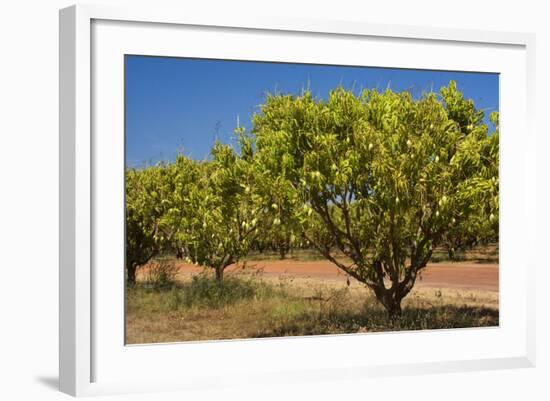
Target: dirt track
{"x": 460, "y": 275}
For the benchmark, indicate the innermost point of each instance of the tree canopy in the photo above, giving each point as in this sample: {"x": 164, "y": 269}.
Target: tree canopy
{"x": 380, "y": 179}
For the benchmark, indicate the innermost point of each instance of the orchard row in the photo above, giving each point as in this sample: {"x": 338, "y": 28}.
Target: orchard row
{"x": 373, "y": 182}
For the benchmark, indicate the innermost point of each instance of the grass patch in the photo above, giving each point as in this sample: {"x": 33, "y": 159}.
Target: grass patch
{"x": 202, "y": 291}
{"x": 247, "y": 306}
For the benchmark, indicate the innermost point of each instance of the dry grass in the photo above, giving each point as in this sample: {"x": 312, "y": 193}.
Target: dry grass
{"x": 251, "y": 306}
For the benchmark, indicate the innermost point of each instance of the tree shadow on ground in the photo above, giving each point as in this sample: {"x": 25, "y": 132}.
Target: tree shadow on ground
{"x": 375, "y": 319}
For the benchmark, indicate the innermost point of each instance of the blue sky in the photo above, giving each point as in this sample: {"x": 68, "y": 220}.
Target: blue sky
{"x": 180, "y": 104}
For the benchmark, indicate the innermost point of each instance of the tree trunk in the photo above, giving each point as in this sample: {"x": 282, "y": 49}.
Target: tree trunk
{"x": 451, "y": 253}
{"x": 394, "y": 309}
{"x": 282, "y": 252}
{"x": 391, "y": 300}
{"x": 131, "y": 274}
{"x": 219, "y": 274}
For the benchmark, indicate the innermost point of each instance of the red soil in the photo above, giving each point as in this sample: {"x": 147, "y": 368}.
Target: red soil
{"x": 460, "y": 275}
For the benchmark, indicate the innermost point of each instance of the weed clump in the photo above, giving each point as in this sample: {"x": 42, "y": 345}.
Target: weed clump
{"x": 205, "y": 291}
{"x": 161, "y": 274}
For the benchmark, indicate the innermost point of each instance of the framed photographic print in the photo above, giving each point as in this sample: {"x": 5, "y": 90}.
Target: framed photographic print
{"x": 273, "y": 200}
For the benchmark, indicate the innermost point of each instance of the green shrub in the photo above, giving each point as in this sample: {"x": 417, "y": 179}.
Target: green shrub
{"x": 204, "y": 290}
{"x": 161, "y": 274}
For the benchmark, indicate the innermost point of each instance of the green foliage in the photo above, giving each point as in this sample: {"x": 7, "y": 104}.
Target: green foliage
{"x": 145, "y": 191}
{"x": 211, "y": 213}
{"x": 460, "y": 110}
{"x": 482, "y": 223}
{"x": 380, "y": 178}
{"x": 181, "y": 181}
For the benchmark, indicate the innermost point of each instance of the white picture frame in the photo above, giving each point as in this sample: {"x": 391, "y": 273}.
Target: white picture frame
{"x": 92, "y": 38}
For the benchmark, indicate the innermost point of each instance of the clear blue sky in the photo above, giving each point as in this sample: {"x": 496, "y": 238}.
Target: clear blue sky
{"x": 185, "y": 104}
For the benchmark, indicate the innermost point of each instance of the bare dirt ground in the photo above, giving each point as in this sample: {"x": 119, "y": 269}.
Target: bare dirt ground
{"x": 456, "y": 275}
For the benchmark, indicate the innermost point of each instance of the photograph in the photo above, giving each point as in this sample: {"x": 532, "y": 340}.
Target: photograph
{"x": 273, "y": 199}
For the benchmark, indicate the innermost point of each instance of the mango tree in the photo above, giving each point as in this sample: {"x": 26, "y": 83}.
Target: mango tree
{"x": 145, "y": 190}
{"x": 181, "y": 180}
{"x": 482, "y": 224}
{"x": 273, "y": 192}
{"x": 379, "y": 179}
{"x": 220, "y": 219}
